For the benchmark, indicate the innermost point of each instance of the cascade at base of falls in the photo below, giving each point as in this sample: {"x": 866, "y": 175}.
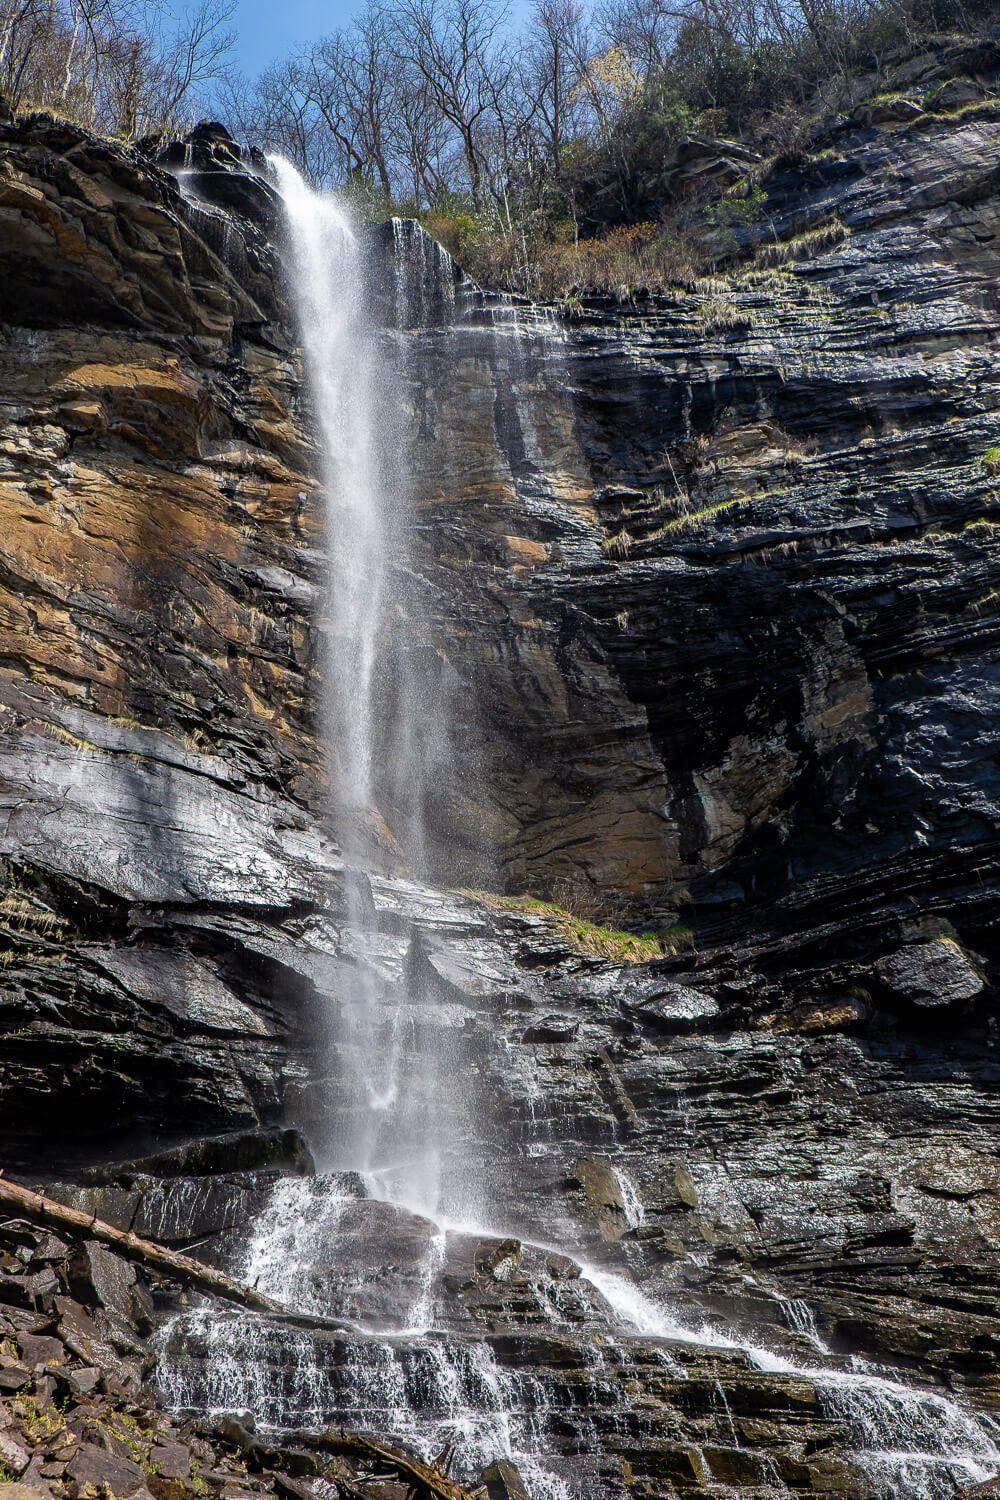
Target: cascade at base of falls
{"x": 426, "y": 1382}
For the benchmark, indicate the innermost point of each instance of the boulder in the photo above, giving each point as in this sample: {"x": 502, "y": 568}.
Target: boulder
{"x": 94, "y": 1470}
{"x": 101, "y": 1278}
{"x": 930, "y": 976}
{"x": 889, "y": 112}
{"x": 39, "y": 1349}
{"x": 552, "y": 1028}
{"x": 956, "y": 93}
{"x": 498, "y": 1259}
{"x": 669, "y": 1006}
{"x": 603, "y": 1192}
{"x": 13, "y": 1454}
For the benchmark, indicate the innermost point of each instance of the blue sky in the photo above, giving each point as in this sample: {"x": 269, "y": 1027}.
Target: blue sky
{"x": 267, "y": 30}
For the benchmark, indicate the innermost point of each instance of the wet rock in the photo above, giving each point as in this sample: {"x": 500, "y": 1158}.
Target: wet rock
{"x": 988, "y": 1489}
{"x": 190, "y": 990}
{"x": 930, "y": 976}
{"x": 602, "y": 1187}
{"x": 561, "y": 1267}
{"x": 240, "y": 1151}
{"x": 502, "y": 1481}
{"x": 97, "y": 1276}
{"x": 669, "y": 1006}
{"x": 955, "y": 1171}
{"x": 552, "y": 1028}
{"x": 499, "y": 1259}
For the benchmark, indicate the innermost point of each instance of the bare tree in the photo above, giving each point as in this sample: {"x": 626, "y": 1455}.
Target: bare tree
{"x": 111, "y": 63}
{"x": 457, "y": 49}
{"x": 558, "y": 45}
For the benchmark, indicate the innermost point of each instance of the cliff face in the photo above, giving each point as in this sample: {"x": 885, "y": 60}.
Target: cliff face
{"x": 719, "y": 575}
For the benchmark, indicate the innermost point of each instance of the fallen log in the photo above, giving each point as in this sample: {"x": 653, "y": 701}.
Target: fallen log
{"x": 428, "y": 1482}
{"x": 36, "y": 1208}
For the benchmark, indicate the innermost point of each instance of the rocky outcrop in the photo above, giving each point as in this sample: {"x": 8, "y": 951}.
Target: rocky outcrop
{"x": 153, "y": 498}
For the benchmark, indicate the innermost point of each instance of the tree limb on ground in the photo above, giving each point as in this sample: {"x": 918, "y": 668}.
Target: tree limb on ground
{"x": 428, "y": 1483}
{"x": 38, "y": 1209}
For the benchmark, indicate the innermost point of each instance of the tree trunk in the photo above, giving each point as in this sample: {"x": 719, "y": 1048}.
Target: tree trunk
{"x": 38, "y": 1209}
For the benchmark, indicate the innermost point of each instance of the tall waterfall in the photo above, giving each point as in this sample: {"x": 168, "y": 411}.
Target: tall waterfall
{"x": 329, "y": 284}
{"x": 380, "y": 717}
{"x": 396, "y": 1050}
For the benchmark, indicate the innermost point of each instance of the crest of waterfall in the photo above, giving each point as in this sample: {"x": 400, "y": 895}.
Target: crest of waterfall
{"x": 424, "y": 280}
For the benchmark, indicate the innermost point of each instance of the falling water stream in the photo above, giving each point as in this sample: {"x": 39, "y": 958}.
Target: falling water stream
{"x": 406, "y": 1373}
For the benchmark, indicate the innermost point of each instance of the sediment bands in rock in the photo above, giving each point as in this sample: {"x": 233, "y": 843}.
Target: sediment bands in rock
{"x": 721, "y": 571}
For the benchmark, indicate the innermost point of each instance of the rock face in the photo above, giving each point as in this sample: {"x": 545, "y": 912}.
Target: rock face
{"x": 715, "y": 583}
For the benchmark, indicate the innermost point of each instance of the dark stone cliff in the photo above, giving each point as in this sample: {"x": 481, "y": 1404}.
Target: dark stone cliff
{"x": 721, "y": 574}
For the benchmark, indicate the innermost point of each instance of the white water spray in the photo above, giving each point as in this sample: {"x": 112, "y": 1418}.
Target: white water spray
{"x": 376, "y": 738}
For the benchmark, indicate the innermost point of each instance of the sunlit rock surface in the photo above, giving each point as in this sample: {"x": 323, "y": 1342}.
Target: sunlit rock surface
{"x": 716, "y": 582}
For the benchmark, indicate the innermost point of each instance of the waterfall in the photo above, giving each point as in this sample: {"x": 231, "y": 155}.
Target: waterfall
{"x": 329, "y": 285}
{"x": 378, "y": 713}
{"x": 399, "y": 1054}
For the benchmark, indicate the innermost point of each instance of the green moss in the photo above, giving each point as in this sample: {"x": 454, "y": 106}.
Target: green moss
{"x": 694, "y": 517}
{"x": 589, "y": 937}
{"x": 991, "y": 459}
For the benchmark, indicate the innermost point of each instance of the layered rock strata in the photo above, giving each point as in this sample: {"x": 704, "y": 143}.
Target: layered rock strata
{"x": 720, "y": 573}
